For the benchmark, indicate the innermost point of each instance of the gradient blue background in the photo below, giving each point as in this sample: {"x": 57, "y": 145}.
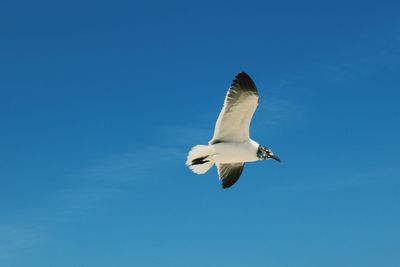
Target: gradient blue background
{"x": 100, "y": 102}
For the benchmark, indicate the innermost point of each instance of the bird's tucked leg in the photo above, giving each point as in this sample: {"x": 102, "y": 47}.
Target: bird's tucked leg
{"x": 200, "y": 160}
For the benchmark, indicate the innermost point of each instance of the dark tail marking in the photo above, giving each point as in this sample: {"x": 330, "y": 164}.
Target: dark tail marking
{"x": 200, "y": 160}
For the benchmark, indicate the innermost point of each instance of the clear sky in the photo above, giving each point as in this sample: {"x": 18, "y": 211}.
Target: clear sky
{"x": 101, "y": 101}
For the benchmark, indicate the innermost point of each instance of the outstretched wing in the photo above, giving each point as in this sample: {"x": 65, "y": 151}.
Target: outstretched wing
{"x": 240, "y": 103}
{"x": 229, "y": 173}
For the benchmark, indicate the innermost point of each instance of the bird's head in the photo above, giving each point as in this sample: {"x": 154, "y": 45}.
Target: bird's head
{"x": 264, "y": 153}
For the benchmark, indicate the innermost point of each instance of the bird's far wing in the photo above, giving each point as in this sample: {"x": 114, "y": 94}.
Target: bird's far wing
{"x": 229, "y": 173}
{"x": 240, "y": 103}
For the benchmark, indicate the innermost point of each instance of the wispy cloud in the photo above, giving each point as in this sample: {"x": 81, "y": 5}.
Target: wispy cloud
{"x": 278, "y": 112}
{"x": 279, "y": 108}
{"x": 182, "y": 137}
{"x": 95, "y": 188}
{"x": 112, "y": 176}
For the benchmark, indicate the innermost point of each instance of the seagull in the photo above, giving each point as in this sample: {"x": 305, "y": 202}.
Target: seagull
{"x": 231, "y": 145}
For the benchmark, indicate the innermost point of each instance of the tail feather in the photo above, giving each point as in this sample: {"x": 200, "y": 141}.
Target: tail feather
{"x": 199, "y": 159}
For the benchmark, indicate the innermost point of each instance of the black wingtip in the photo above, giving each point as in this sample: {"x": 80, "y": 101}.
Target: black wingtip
{"x": 243, "y": 73}
{"x": 242, "y": 76}
{"x": 231, "y": 176}
{"x": 245, "y": 81}
{"x": 225, "y": 186}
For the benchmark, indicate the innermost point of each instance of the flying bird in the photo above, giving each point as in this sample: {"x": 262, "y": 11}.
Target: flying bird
{"x": 231, "y": 145}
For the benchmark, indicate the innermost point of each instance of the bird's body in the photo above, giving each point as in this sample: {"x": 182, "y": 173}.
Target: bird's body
{"x": 231, "y": 145}
{"x": 231, "y": 152}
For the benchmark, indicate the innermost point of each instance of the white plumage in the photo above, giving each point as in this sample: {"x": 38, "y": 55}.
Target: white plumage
{"x": 231, "y": 145}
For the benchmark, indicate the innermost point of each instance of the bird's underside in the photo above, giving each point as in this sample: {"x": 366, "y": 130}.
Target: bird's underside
{"x": 232, "y": 133}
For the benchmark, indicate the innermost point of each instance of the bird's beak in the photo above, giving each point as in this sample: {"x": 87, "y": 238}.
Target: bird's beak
{"x": 275, "y": 157}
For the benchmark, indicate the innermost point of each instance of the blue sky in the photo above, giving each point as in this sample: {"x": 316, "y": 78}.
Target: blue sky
{"x": 101, "y": 101}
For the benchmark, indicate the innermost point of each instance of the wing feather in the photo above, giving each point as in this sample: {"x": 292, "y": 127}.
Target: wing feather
{"x": 229, "y": 173}
{"x": 240, "y": 103}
